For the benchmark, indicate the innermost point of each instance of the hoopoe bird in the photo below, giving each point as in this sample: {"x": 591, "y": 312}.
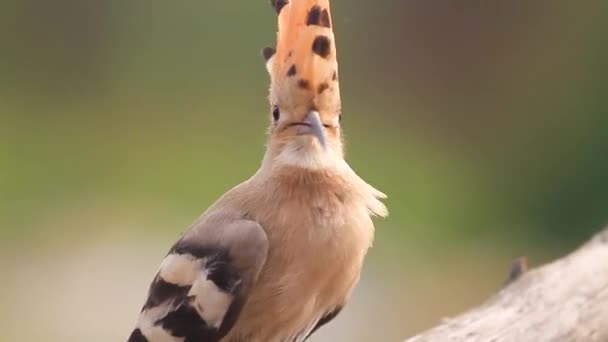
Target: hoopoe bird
{"x": 278, "y": 256}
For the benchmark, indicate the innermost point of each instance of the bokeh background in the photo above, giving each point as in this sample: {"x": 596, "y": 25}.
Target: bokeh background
{"x": 120, "y": 121}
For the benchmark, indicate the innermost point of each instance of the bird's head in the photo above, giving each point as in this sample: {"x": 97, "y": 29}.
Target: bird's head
{"x": 305, "y": 109}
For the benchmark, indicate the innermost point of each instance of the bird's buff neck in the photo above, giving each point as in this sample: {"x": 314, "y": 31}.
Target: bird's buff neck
{"x": 305, "y": 154}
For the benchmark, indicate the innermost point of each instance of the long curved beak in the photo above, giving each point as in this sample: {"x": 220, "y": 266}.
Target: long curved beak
{"x": 313, "y": 120}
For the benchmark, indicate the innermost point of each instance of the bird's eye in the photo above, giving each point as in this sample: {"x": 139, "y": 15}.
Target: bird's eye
{"x": 276, "y": 113}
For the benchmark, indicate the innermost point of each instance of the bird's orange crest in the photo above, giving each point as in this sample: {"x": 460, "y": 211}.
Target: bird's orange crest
{"x": 303, "y": 68}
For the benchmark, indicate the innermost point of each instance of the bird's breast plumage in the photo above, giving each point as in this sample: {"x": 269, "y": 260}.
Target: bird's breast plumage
{"x": 319, "y": 230}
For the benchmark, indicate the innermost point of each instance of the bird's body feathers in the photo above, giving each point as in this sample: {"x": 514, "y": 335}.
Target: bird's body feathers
{"x": 232, "y": 266}
{"x": 319, "y": 230}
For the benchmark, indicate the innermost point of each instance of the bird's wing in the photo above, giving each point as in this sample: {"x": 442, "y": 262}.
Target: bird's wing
{"x": 203, "y": 283}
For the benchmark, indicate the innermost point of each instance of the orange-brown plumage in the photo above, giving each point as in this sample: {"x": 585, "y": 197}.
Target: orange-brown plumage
{"x": 303, "y": 71}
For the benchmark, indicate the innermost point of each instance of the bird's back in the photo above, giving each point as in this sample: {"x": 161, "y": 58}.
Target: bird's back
{"x": 319, "y": 230}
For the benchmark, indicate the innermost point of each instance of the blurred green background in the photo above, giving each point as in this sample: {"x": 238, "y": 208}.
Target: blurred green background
{"x": 120, "y": 121}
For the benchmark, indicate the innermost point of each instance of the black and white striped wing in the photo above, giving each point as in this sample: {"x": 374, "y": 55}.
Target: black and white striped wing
{"x": 202, "y": 284}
